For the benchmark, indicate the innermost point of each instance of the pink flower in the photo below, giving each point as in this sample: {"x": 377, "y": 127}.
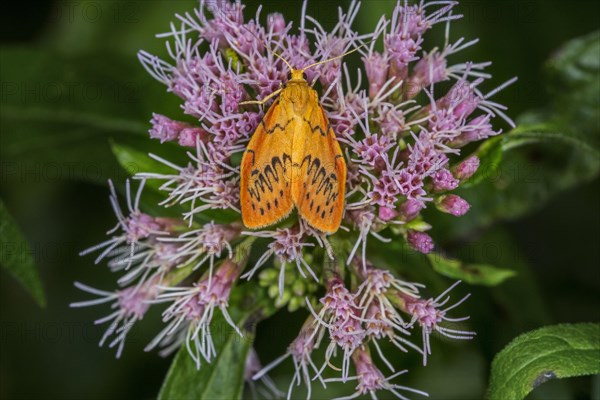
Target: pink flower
{"x": 409, "y": 209}
{"x": 211, "y": 241}
{"x": 387, "y": 214}
{"x": 376, "y": 68}
{"x": 133, "y": 245}
{"x": 466, "y": 168}
{"x": 167, "y": 130}
{"x": 207, "y": 183}
{"x": 381, "y": 318}
{"x": 430, "y": 69}
{"x": 287, "y": 246}
{"x": 300, "y": 350}
{"x": 430, "y": 315}
{"x": 188, "y": 317}
{"x": 443, "y": 180}
{"x": 131, "y": 305}
{"x": 420, "y": 241}
{"x": 372, "y": 150}
{"x": 340, "y": 315}
{"x": 453, "y": 204}
{"x": 400, "y": 131}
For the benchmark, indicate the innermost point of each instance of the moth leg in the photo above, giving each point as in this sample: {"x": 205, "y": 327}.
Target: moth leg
{"x": 263, "y": 101}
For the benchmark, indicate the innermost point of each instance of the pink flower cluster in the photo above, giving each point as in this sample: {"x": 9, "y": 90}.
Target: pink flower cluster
{"x": 382, "y": 307}
{"x": 402, "y": 132}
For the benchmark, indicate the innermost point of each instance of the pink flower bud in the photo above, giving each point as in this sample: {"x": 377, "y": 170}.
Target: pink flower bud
{"x": 432, "y": 68}
{"x": 376, "y": 67}
{"x": 189, "y": 136}
{"x": 453, "y": 204}
{"x": 477, "y": 129}
{"x": 466, "y": 108}
{"x": 420, "y": 241}
{"x": 402, "y": 50}
{"x": 387, "y": 214}
{"x": 444, "y": 180}
{"x": 466, "y": 168}
{"x": 165, "y": 129}
{"x": 276, "y": 23}
{"x": 370, "y": 378}
{"x": 410, "y": 209}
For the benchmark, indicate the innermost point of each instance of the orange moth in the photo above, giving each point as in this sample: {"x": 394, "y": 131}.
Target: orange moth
{"x": 293, "y": 160}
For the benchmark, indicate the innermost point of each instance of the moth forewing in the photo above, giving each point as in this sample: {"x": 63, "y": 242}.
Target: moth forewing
{"x": 264, "y": 178}
{"x": 293, "y": 159}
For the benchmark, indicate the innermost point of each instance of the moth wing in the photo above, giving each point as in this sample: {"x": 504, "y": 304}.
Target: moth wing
{"x": 265, "y": 184}
{"x": 319, "y": 187}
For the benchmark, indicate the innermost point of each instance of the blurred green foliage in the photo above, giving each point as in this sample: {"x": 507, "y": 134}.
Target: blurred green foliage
{"x": 72, "y": 92}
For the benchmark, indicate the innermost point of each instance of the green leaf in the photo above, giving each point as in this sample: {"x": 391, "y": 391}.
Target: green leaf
{"x": 574, "y": 85}
{"x": 558, "y": 147}
{"x": 558, "y": 351}
{"x": 476, "y": 274}
{"x": 16, "y": 256}
{"x": 538, "y": 163}
{"x": 223, "y": 378}
{"x": 135, "y": 161}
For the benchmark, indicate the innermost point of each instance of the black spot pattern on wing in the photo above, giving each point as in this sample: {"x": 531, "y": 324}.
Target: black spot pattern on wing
{"x": 268, "y": 178}
{"x": 324, "y": 184}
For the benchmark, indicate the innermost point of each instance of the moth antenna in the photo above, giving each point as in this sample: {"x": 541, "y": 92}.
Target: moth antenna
{"x": 335, "y": 58}
{"x": 281, "y": 58}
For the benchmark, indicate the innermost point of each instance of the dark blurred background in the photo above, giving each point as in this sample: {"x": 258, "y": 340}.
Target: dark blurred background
{"x": 62, "y": 208}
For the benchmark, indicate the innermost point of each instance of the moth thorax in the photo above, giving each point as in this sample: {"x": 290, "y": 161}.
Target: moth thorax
{"x": 298, "y": 95}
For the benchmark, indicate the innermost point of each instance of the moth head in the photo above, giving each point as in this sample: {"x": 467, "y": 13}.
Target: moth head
{"x": 298, "y": 75}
